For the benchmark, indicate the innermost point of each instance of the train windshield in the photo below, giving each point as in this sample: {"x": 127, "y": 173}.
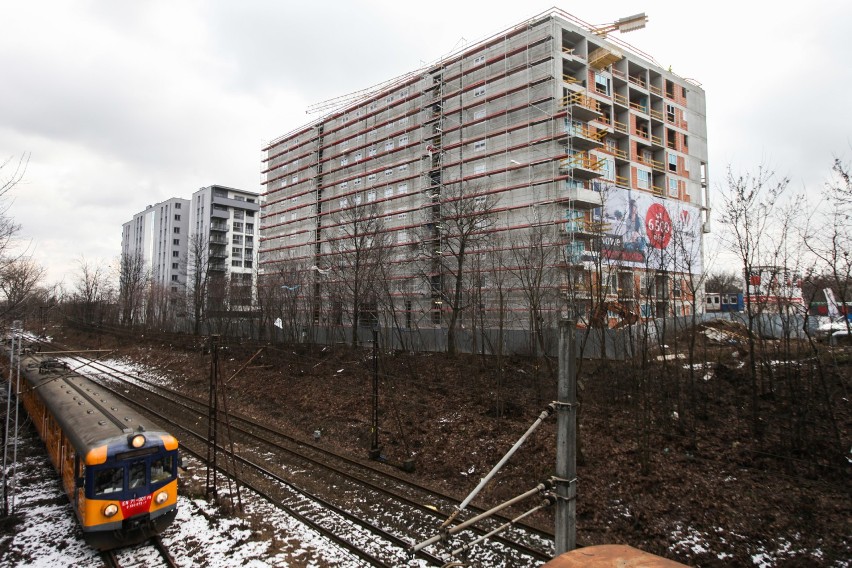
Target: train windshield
{"x": 109, "y": 480}
{"x": 162, "y": 469}
{"x": 156, "y": 471}
{"x": 137, "y": 474}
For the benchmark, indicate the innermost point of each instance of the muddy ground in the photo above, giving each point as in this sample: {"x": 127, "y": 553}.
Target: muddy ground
{"x": 674, "y": 459}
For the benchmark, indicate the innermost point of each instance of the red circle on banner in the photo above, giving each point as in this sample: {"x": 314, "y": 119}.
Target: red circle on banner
{"x": 658, "y": 226}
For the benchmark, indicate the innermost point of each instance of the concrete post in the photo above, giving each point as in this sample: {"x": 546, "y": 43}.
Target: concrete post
{"x": 566, "y": 441}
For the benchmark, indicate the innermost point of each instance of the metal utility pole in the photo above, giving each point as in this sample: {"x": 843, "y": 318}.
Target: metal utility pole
{"x": 213, "y": 418}
{"x": 566, "y": 441}
{"x": 375, "y": 449}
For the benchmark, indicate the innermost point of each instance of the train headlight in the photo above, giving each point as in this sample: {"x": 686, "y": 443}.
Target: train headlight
{"x": 110, "y": 510}
{"x": 137, "y": 441}
{"x": 161, "y": 497}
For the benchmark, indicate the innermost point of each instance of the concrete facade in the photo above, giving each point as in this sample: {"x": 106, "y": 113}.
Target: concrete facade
{"x": 547, "y": 137}
{"x": 159, "y": 235}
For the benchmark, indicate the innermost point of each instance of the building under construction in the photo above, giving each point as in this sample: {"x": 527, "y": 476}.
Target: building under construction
{"x": 547, "y": 170}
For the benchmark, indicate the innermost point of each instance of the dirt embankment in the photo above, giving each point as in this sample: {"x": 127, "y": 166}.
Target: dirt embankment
{"x": 690, "y": 459}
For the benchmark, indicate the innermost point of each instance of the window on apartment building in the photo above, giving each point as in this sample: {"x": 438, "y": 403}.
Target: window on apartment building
{"x": 479, "y": 146}
{"x": 174, "y": 266}
{"x": 478, "y": 59}
{"x": 685, "y": 143}
{"x": 344, "y": 185}
{"x": 344, "y": 202}
{"x": 239, "y": 214}
{"x": 388, "y": 192}
{"x": 177, "y": 205}
{"x": 176, "y": 241}
{"x": 388, "y": 145}
{"x": 283, "y": 183}
{"x": 479, "y": 168}
{"x": 402, "y": 188}
{"x": 673, "y": 187}
{"x": 371, "y": 178}
{"x": 670, "y": 112}
{"x": 236, "y": 251}
{"x": 237, "y": 240}
{"x": 372, "y": 151}
{"x": 175, "y": 254}
{"x": 177, "y": 217}
{"x": 371, "y": 196}
{"x": 249, "y": 227}
{"x": 174, "y": 278}
{"x": 389, "y": 173}
{"x": 237, "y": 263}
{"x": 176, "y": 230}
{"x": 357, "y": 199}
{"x": 294, "y": 178}
{"x": 357, "y": 182}
{"x": 643, "y": 179}
{"x": 672, "y": 162}
{"x": 402, "y": 237}
{"x": 403, "y": 121}
{"x": 344, "y": 161}
{"x": 602, "y": 84}
{"x": 683, "y": 91}
{"x": 247, "y": 264}
{"x": 479, "y": 202}
{"x": 402, "y": 216}
{"x": 403, "y": 140}
{"x": 479, "y": 113}
{"x": 293, "y": 237}
{"x": 403, "y": 168}
{"x": 238, "y": 227}
{"x": 608, "y": 168}
{"x": 479, "y": 91}
{"x": 358, "y": 156}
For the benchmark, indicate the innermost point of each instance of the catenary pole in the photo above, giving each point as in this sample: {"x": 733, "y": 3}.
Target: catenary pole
{"x": 566, "y": 441}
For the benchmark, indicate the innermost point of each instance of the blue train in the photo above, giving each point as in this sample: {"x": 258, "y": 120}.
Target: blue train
{"x": 715, "y": 302}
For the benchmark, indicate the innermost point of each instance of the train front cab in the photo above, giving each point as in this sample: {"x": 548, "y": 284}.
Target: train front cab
{"x": 127, "y": 490}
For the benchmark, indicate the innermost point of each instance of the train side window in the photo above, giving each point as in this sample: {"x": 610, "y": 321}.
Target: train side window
{"x": 161, "y": 469}
{"x": 109, "y": 480}
{"x": 137, "y": 474}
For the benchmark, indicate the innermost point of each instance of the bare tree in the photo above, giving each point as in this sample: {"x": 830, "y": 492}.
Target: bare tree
{"x": 749, "y": 206}
{"x": 93, "y": 292}
{"x": 19, "y": 280}
{"x": 723, "y": 282}
{"x": 462, "y": 226}
{"x": 198, "y": 274}
{"x": 829, "y": 236}
{"x": 536, "y": 263}
{"x": 357, "y": 253}
{"x": 133, "y": 280}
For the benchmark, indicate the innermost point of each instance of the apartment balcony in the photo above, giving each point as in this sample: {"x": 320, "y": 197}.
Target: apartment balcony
{"x": 582, "y": 166}
{"x": 603, "y": 57}
{"x": 582, "y": 107}
{"x": 574, "y": 252}
{"x": 584, "y": 228}
{"x": 582, "y": 136}
{"x": 221, "y": 227}
{"x": 620, "y": 155}
{"x": 638, "y": 81}
{"x": 235, "y": 203}
{"x": 580, "y": 197}
{"x": 218, "y": 240}
{"x": 217, "y": 267}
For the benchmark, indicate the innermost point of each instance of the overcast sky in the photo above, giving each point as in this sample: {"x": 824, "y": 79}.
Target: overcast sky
{"x": 123, "y": 104}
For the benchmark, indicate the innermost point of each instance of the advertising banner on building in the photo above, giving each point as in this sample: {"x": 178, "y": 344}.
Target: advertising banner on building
{"x": 643, "y": 231}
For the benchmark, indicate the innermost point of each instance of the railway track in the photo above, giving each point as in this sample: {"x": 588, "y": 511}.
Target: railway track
{"x": 136, "y": 557}
{"x": 342, "y": 500}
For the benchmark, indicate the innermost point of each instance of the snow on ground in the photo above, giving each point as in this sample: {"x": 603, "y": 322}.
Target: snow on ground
{"x": 47, "y": 534}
